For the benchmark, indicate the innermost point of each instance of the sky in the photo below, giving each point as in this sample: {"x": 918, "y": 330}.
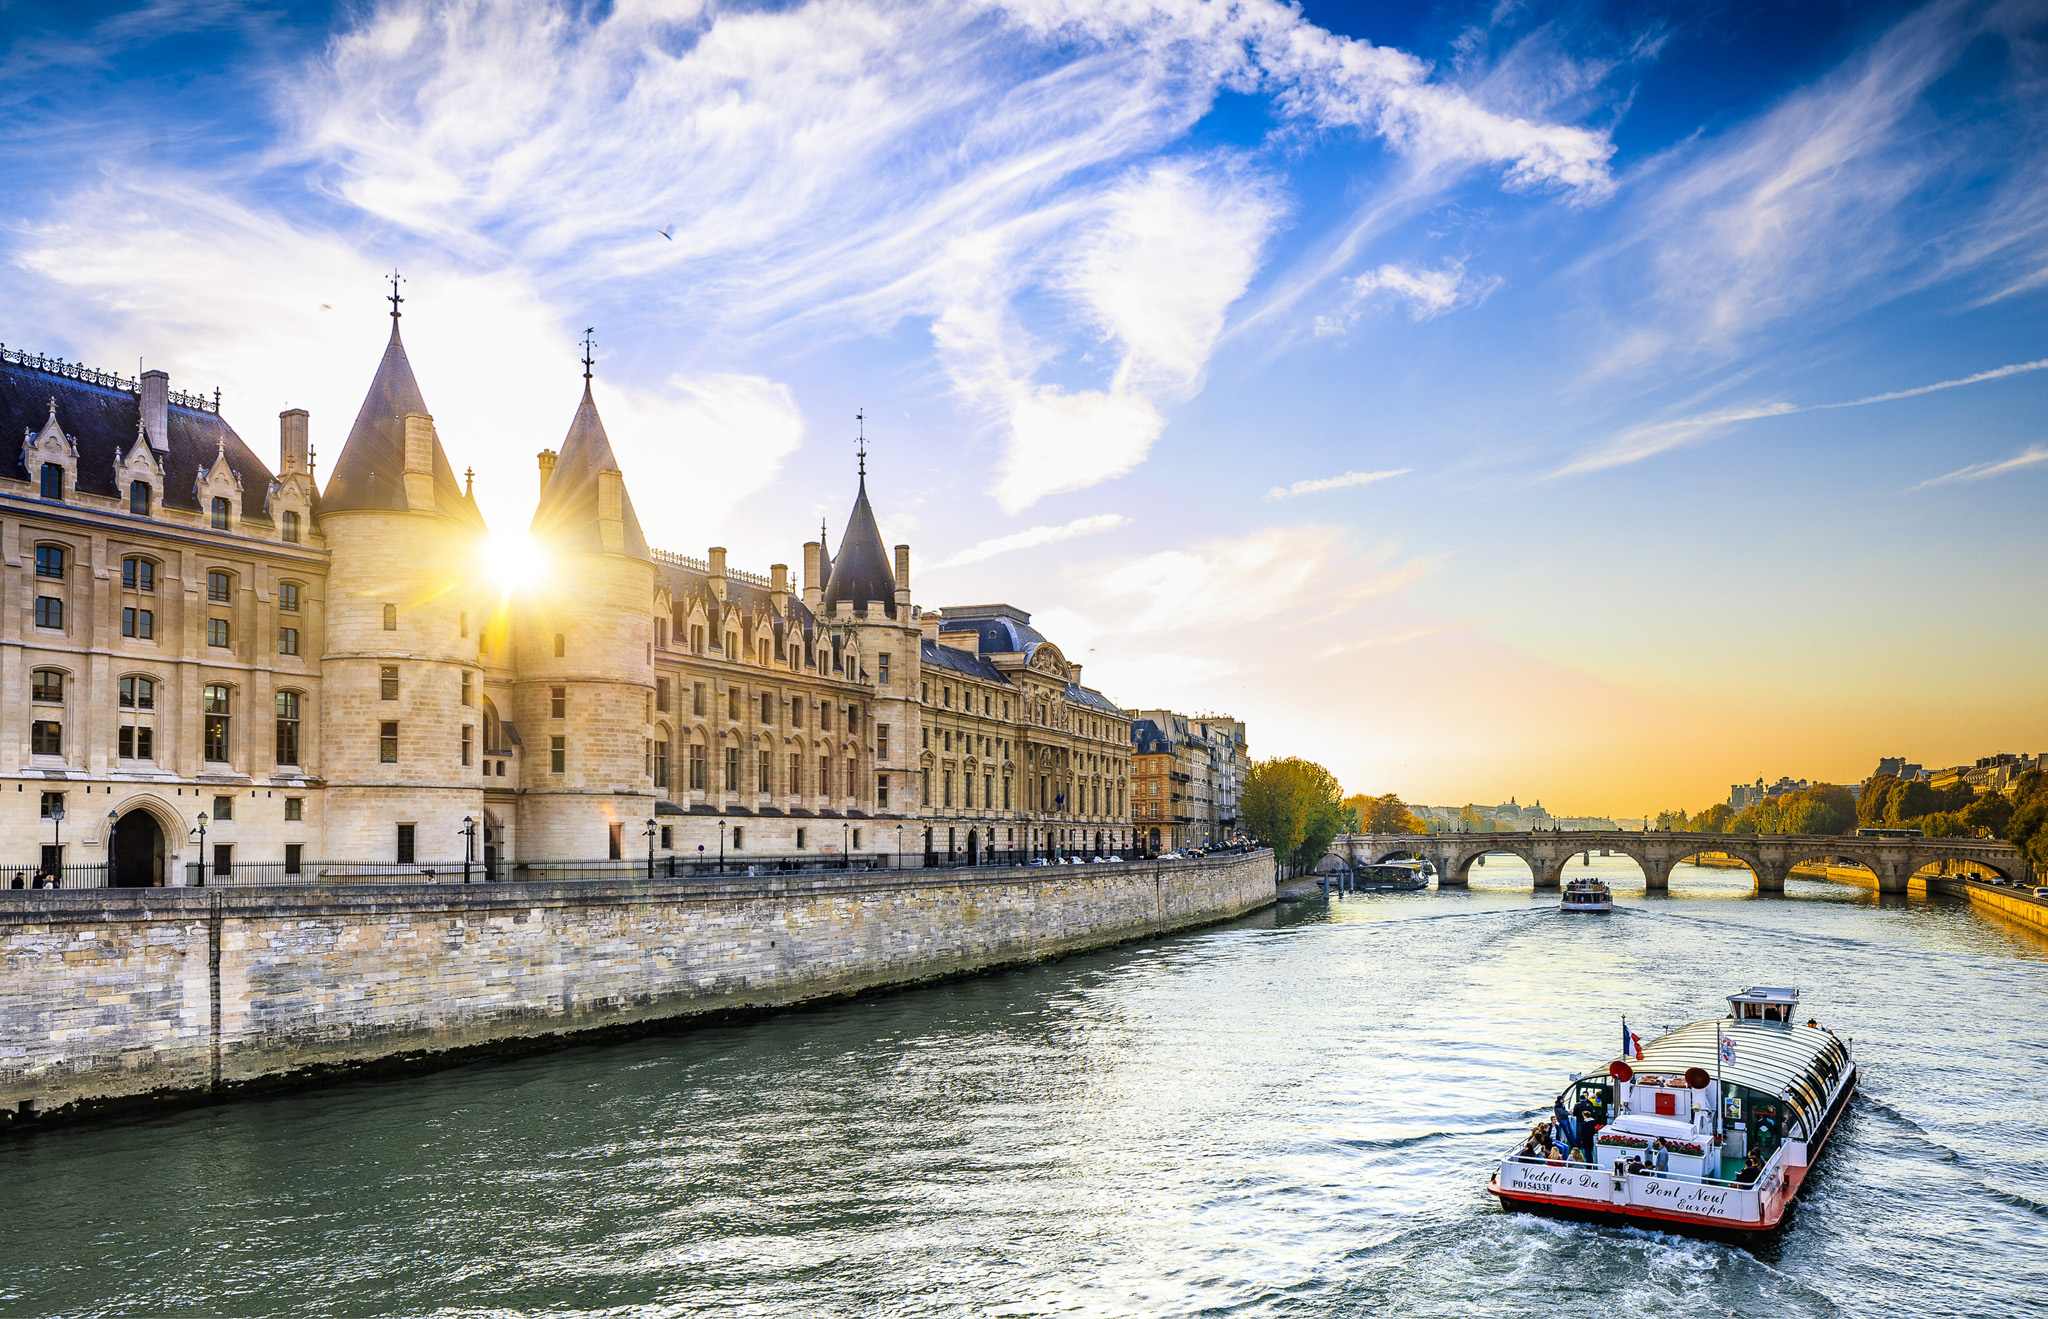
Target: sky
{"x": 1599, "y": 404}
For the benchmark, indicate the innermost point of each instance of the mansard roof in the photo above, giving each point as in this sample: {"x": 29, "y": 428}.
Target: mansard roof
{"x": 1001, "y": 628}
{"x": 1093, "y": 700}
{"x": 102, "y": 419}
{"x": 747, "y": 600}
{"x": 370, "y": 474}
{"x": 860, "y": 571}
{"x": 964, "y": 662}
{"x": 567, "y": 514}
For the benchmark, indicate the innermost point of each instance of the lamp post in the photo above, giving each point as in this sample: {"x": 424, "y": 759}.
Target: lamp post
{"x": 845, "y": 854}
{"x": 57, "y": 820}
{"x": 200, "y": 833}
{"x": 651, "y": 832}
{"x": 721, "y": 846}
{"x": 468, "y": 832}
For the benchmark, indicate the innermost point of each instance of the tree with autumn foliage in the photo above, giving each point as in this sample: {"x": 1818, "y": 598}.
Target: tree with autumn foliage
{"x": 1385, "y": 814}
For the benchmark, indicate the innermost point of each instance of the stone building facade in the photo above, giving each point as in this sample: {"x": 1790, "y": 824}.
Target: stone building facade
{"x": 212, "y": 665}
{"x": 1190, "y": 772}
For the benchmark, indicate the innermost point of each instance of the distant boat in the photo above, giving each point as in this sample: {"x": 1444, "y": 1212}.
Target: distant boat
{"x": 1586, "y": 895}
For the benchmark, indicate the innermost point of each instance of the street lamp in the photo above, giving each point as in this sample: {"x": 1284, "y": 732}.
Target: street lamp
{"x": 468, "y": 832}
{"x": 899, "y": 847}
{"x": 57, "y": 819}
{"x": 113, "y": 816}
{"x": 721, "y": 846}
{"x": 845, "y": 846}
{"x": 200, "y": 833}
{"x": 651, "y": 832}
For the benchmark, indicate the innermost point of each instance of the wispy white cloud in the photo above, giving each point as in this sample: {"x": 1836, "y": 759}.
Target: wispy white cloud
{"x": 2031, "y": 456}
{"x": 1427, "y": 293}
{"x": 1647, "y": 441}
{"x": 1031, "y": 537}
{"x": 1344, "y": 482}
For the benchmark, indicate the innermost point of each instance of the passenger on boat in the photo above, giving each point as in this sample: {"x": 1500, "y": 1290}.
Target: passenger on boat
{"x": 1660, "y": 1158}
{"x": 1583, "y": 1117}
{"x": 1752, "y": 1166}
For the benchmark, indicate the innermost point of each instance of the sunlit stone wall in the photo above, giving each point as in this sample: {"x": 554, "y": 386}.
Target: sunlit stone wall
{"x": 117, "y": 996}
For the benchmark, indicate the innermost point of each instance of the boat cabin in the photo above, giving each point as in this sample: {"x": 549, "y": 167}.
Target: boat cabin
{"x": 1763, "y": 1003}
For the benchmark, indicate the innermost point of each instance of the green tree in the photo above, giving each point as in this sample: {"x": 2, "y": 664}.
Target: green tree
{"x": 1294, "y": 806}
{"x": 1713, "y": 820}
{"x": 1876, "y": 794}
{"x": 1673, "y": 820}
{"x": 2028, "y": 828}
{"x": 1909, "y": 799}
{"x": 1991, "y": 812}
{"x": 1943, "y": 824}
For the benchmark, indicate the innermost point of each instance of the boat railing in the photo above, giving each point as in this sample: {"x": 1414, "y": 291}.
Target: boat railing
{"x": 1766, "y": 1177}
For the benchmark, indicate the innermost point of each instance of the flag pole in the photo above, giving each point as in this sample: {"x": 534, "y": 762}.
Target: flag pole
{"x": 1720, "y": 1088}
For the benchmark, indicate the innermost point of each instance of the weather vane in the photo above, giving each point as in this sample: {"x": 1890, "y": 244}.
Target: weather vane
{"x": 860, "y": 417}
{"x": 396, "y": 280}
{"x": 588, "y": 344}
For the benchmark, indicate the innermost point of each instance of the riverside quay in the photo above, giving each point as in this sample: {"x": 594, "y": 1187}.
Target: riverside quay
{"x": 219, "y": 672}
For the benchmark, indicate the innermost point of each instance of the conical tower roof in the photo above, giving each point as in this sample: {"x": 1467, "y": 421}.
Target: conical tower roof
{"x": 567, "y": 515}
{"x": 370, "y": 474}
{"x": 860, "y": 571}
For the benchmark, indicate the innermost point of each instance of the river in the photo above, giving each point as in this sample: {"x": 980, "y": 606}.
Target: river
{"x": 1290, "y": 1115}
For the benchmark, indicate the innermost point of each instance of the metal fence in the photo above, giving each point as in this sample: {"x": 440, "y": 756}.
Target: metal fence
{"x": 194, "y": 874}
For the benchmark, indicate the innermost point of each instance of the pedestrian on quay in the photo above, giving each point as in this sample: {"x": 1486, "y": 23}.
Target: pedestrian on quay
{"x": 17, "y": 879}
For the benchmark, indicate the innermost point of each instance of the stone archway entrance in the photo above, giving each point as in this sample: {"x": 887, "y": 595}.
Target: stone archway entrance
{"x": 137, "y": 850}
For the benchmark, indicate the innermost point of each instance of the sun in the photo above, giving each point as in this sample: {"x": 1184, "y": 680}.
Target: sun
{"x": 516, "y": 562}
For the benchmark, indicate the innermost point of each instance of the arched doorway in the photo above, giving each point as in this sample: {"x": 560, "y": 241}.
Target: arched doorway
{"x": 973, "y": 845}
{"x": 137, "y": 849}
{"x": 1098, "y": 843}
{"x": 494, "y": 845}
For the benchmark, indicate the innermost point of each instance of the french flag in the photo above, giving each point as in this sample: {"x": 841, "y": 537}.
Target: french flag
{"x": 1631, "y": 1043}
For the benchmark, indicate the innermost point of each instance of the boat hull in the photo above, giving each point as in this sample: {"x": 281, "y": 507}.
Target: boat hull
{"x": 1738, "y": 1232}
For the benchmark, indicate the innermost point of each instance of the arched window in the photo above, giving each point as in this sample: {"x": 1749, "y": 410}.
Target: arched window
{"x": 50, "y": 561}
{"x": 138, "y": 574}
{"x": 288, "y": 728}
{"x": 138, "y": 498}
{"x": 288, "y": 597}
{"x": 221, "y": 512}
{"x": 53, "y": 481}
{"x": 138, "y": 693}
{"x": 220, "y": 586}
{"x": 291, "y": 527}
{"x": 46, "y": 685}
{"x": 494, "y": 737}
{"x": 391, "y": 618}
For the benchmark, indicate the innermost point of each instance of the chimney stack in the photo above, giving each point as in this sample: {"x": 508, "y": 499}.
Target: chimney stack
{"x": 814, "y": 568}
{"x": 547, "y": 466}
{"x": 291, "y": 425}
{"x": 419, "y": 462}
{"x": 156, "y": 409}
{"x": 611, "y": 511}
{"x": 778, "y": 588}
{"x": 902, "y": 577}
{"x": 717, "y": 574}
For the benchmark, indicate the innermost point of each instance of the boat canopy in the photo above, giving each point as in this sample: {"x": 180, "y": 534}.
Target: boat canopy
{"x": 1798, "y": 1064}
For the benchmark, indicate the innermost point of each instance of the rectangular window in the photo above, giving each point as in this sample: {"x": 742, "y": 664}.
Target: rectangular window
{"x": 220, "y": 513}
{"x": 49, "y": 611}
{"x": 558, "y": 702}
{"x": 294, "y": 853}
{"x": 967, "y": 790}
{"x": 46, "y": 738}
{"x": 287, "y": 728}
{"x": 46, "y": 685}
{"x": 387, "y": 742}
{"x": 948, "y": 781}
{"x": 824, "y": 776}
{"x": 287, "y": 641}
{"x": 558, "y": 755}
{"x": 739, "y": 838}
{"x": 881, "y": 741}
{"x": 138, "y": 575}
{"x": 138, "y": 623}
{"x": 294, "y": 808}
{"x": 799, "y": 840}
{"x": 406, "y": 834}
{"x": 697, "y": 699}
{"x": 561, "y": 645}
{"x": 468, "y": 735}
{"x": 767, "y": 707}
{"x": 468, "y": 683}
{"x": 617, "y": 841}
{"x": 138, "y": 498}
{"x": 988, "y": 790}
{"x": 223, "y": 860}
{"x": 825, "y": 717}
{"x": 223, "y": 808}
{"x": 291, "y": 528}
{"x": 856, "y": 840}
{"x": 698, "y": 769}
{"x": 387, "y": 682}
{"x": 49, "y": 561}
{"x": 53, "y": 805}
{"x": 796, "y": 774}
{"x": 882, "y": 669}
{"x": 127, "y": 742}
{"x": 732, "y": 703}
{"x": 219, "y": 586}
{"x": 660, "y": 763}
{"x": 1006, "y": 794}
{"x": 217, "y": 632}
{"x": 732, "y": 769}
{"x": 462, "y": 621}
{"x": 796, "y": 712}
{"x": 882, "y": 792}
{"x": 761, "y": 768}
{"x": 216, "y": 707}
{"x": 661, "y": 694}
{"x": 668, "y": 838}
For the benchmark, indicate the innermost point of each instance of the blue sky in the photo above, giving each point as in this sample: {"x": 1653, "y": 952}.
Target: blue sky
{"x": 1600, "y": 403}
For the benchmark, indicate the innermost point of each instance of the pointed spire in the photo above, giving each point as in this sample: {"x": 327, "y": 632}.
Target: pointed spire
{"x": 860, "y": 574}
{"x": 569, "y": 506}
{"x": 370, "y": 473}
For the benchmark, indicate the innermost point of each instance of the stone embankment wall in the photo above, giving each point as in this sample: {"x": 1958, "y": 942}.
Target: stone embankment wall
{"x": 2018, "y": 904}
{"x": 119, "y": 996}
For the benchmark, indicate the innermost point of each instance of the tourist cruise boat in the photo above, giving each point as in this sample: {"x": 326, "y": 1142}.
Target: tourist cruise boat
{"x": 1586, "y": 895}
{"x": 1713, "y": 1093}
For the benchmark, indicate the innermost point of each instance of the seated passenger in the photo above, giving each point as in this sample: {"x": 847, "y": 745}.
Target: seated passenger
{"x": 1752, "y": 1167}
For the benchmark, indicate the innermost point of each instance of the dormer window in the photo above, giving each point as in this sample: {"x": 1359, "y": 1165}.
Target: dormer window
{"x": 138, "y": 498}
{"x": 221, "y": 512}
{"x": 53, "y": 481}
{"x": 290, "y": 524}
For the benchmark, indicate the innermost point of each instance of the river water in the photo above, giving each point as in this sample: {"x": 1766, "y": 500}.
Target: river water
{"x": 1291, "y": 1115}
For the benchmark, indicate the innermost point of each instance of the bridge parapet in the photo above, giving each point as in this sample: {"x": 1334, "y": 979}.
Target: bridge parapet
{"x": 1769, "y": 857}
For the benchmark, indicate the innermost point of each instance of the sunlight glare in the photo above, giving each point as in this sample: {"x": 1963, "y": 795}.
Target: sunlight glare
{"x": 516, "y": 561}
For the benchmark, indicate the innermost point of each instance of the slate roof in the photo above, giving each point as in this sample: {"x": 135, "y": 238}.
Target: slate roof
{"x": 1093, "y": 700}
{"x": 370, "y": 474}
{"x": 1000, "y": 632}
{"x": 103, "y": 421}
{"x": 860, "y": 571}
{"x": 750, "y": 602}
{"x": 1149, "y": 739}
{"x": 567, "y": 513}
{"x": 966, "y": 663}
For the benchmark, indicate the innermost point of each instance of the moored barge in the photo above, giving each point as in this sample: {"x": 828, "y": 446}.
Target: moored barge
{"x": 1709, "y": 1129}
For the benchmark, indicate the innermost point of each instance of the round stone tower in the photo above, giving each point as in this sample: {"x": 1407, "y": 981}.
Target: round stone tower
{"x": 584, "y": 692}
{"x": 401, "y": 684}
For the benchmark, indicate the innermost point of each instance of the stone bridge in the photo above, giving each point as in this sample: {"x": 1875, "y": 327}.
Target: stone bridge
{"x": 1770, "y": 857}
